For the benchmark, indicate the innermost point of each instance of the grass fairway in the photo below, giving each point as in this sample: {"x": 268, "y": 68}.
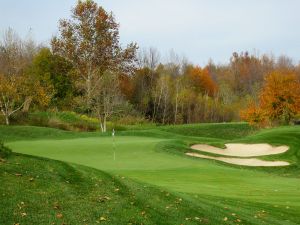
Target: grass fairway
{"x": 216, "y": 192}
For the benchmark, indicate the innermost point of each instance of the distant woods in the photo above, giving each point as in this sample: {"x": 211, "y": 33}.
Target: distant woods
{"x": 86, "y": 70}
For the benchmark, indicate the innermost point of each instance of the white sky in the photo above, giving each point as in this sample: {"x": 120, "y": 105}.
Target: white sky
{"x": 198, "y": 29}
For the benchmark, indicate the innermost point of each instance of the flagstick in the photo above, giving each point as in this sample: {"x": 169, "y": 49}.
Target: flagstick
{"x": 114, "y": 146}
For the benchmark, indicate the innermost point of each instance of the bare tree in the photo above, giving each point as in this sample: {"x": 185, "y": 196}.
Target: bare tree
{"x": 106, "y": 98}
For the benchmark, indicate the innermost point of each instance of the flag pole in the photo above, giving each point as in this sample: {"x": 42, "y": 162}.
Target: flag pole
{"x": 114, "y": 146}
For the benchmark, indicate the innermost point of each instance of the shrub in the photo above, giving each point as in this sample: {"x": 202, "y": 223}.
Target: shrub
{"x": 4, "y": 151}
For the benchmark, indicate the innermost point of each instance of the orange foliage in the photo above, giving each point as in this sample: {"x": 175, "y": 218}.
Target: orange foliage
{"x": 254, "y": 115}
{"x": 202, "y": 80}
{"x": 126, "y": 86}
{"x": 279, "y": 100}
{"x": 280, "y": 97}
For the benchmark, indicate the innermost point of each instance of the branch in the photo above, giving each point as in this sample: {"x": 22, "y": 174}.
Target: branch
{"x": 17, "y": 109}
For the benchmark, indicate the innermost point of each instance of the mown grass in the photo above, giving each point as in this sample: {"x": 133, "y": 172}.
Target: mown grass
{"x": 153, "y": 161}
{"x": 41, "y": 191}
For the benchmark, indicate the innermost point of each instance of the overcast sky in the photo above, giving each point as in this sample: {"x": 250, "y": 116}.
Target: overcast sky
{"x": 197, "y": 29}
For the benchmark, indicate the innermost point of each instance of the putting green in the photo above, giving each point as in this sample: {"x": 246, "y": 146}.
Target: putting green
{"x": 140, "y": 158}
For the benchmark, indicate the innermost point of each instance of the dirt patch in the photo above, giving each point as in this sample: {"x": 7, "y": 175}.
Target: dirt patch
{"x": 242, "y": 162}
{"x": 242, "y": 150}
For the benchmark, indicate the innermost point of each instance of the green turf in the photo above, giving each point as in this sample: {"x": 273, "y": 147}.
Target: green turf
{"x": 155, "y": 157}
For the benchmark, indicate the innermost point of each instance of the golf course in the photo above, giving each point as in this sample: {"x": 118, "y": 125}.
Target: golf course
{"x": 143, "y": 176}
{"x": 149, "y": 112}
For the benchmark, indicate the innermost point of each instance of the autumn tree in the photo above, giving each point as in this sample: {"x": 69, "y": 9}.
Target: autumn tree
{"x": 90, "y": 40}
{"x": 14, "y": 94}
{"x": 254, "y": 115}
{"x": 279, "y": 99}
{"x": 18, "y": 89}
{"x": 200, "y": 80}
{"x": 144, "y": 82}
{"x": 56, "y": 75}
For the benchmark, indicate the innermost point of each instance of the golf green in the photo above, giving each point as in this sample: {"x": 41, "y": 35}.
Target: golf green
{"x": 141, "y": 158}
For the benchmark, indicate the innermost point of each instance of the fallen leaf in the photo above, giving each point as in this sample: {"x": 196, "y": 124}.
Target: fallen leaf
{"x": 23, "y": 214}
{"x": 59, "y": 215}
{"x": 56, "y": 206}
{"x": 104, "y": 198}
{"x": 18, "y": 174}
{"x": 102, "y": 218}
{"x": 225, "y": 219}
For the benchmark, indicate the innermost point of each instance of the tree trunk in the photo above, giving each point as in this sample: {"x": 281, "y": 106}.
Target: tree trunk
{"x": 7, "y": 119}
{"x": 88, "y": 92}
{"x": 176, "y": 105}
{"x": 103, "y": 123}
{"x": 165, "y": 108}
{"x": 101, "y": 126}
{"x": 27, "y": 103}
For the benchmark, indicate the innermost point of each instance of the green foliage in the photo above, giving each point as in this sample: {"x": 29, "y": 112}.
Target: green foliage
{"x": 56, "y": 74}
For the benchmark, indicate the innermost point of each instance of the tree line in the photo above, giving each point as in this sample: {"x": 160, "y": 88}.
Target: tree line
{"x": 85, "y": 69}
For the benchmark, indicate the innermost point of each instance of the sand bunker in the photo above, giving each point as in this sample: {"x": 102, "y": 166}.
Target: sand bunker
{"x": 242, "y": 150}
{"x": 242, "y": 162}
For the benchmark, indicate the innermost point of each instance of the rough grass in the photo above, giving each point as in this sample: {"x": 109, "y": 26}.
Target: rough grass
{"x": 71, "y": 121}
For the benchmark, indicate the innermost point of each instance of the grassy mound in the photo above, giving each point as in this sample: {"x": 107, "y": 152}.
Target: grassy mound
{"x": 212, "y": 130}
{"x": 72, "y": 194}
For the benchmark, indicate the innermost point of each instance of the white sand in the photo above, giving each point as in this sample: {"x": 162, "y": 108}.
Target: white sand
{"x": 242, "y": 150}
{"x": 242, "y": 162}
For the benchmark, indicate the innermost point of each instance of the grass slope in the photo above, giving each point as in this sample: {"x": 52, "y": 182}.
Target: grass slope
{"x": 213, "y": 191}
{"x": 71, "y": 194}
